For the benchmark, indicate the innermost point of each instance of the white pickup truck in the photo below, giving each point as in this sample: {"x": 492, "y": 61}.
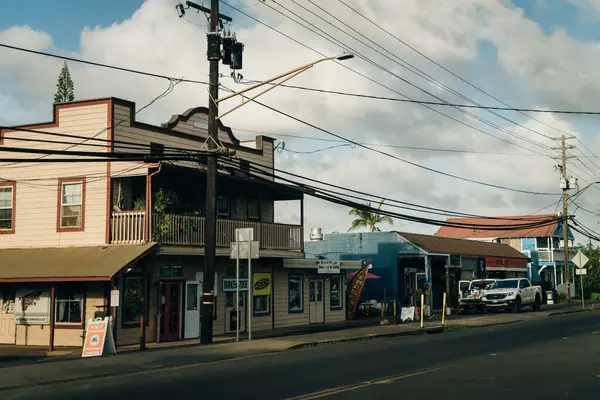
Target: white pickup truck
{"x": 512, "y": 294}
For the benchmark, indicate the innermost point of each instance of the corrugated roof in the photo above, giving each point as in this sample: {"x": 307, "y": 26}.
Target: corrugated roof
{"x": 470, "y": 233}
{"x": 69, "y": 263}
{"x": 463, "y": 247}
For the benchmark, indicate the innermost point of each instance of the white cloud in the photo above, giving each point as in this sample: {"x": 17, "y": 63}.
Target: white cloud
{"x": 551, "y": 71}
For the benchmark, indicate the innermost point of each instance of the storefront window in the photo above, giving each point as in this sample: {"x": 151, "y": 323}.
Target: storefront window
{"x": 335, "y": 291}
{"x": 295, "y": 294}
{"x": 69, "y": 305}
{"x": 132, "y": 299}
{"x": 261, "y": 304}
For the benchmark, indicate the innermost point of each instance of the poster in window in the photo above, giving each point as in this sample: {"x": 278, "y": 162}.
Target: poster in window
{"x": 132, "y": 299}
{"x": 33, "y": 307}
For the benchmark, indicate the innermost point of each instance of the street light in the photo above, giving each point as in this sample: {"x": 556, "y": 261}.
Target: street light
{"x": 287, "y": 75}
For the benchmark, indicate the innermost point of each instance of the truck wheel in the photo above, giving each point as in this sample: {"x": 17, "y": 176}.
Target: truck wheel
{"x": 537, "y": 304}
{"x": 517, "y": 306}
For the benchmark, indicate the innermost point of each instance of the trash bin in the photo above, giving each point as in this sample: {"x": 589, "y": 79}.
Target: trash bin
{"x": 550, "y": 297}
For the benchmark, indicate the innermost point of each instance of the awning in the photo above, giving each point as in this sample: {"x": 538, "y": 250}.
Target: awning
{"x": 60, "y": 264}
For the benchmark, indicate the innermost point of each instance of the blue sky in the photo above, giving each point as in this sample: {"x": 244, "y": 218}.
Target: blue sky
{"x": 64, "y": 19}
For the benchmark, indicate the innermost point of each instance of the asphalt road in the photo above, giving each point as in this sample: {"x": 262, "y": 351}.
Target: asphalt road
{"x": 553, "y": 358}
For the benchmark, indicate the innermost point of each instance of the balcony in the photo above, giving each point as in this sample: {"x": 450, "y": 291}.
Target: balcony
{"x": 549, "y": 255}
{"x": 188, "y": 230}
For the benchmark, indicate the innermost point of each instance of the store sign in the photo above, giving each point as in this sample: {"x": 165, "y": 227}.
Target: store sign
{"x": 230, "y": 284}
{"x": 98, "y": 338}
{"x": 328, "y": 267}
{"x": 501, "y": 263}
{"x": 32, "y": 307}
{"x": 261, "y": 284}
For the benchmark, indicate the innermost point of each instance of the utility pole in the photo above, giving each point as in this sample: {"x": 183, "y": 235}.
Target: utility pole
{"x": 565, "y": 186}
{"x": 210, "y": 229}
{"x": 231, "y": 55}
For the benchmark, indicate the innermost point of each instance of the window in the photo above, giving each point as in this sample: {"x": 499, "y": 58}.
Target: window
{"x": 7, "y": 207}
{"x": 222, "y": 206}
{"x": 69, "y": 305}
{"x": 238, "y": 209}
{"x": 295, "y": 294}
{"x": 253, "y": 209}
{"x": 556, "y": 243}
{"x": 335, "y": 292}
{"x": 71, "y": 204}
{"x": 262, "y": 304}
{"x": 132, "y": 299}
{"x": 541, "y": 242}
{"x": 523, "y": 284}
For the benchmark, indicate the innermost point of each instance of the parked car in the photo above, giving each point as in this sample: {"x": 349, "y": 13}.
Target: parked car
{"x": 471, "y": 293}
{"x": 512, "y": 295}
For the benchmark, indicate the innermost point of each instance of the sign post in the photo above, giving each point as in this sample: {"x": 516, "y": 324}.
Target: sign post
{"x": 580, "y": 260}
{"x": 244, "y": 246}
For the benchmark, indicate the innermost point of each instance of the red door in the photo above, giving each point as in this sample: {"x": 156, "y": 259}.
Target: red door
{"x": 171, "y": 315}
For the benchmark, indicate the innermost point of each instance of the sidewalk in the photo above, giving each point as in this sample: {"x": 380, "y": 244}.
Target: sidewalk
{"x": 289, "y": 338}
{"x": 140, "y": 362}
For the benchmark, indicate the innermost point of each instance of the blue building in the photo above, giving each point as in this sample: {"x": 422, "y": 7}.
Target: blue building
{"x": 407, "y": 262}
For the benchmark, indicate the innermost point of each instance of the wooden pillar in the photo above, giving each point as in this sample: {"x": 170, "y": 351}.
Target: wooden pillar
{"x": 52, "y": 318}
{"x": 144, "y": 306}
{"x": 302, "y": 223}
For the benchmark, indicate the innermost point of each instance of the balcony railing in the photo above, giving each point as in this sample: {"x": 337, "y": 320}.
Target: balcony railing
{"x": 128, "y": 227}
{"x": 548, "y": 255}
{"x": 188, "y": 230}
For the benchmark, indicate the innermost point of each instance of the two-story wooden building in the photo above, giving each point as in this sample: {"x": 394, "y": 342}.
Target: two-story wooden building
{"x": 76, "y": 230}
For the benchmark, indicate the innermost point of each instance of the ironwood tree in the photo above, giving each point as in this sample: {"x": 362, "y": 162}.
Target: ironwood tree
{"x": 65, "y": 89}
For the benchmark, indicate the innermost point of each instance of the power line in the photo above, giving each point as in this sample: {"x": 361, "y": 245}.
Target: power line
{"x": 327, "y": 195}
{"x": 399, "y": 158}
{"x": 97, "y": 64}
{"x": 371, "y": 79}
{"x": 338, "y": 42}
{"x": 404, "y": 64}
{"x": 373, "y": 197}
{"x": 444, "y": 68}
{"x": 162, "y": 95}
{"x": 360, "y": 95}
{"x": 425, "y": 102}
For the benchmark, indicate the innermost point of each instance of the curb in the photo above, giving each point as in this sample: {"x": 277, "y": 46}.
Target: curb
{"x": 569, "y": 312}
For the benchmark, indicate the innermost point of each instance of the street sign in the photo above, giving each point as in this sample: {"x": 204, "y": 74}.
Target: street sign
{"x": 229, "y": 284}
{"x": 245, "y": 248}
{"x": 580, "y": 259}
{"x": 581, "y": 271}
{"x": 244, "y": 234}
{"x": 328, "y": 267}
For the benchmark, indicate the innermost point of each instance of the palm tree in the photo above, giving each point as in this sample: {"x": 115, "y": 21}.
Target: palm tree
{"x": 368, "y": 219}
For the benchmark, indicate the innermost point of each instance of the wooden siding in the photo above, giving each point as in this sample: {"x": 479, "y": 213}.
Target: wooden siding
{"x": 37, "y": 184}
{"x": 126, "y": 132}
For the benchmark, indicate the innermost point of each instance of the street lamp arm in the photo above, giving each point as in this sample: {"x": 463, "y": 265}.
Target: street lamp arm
{"x": 244, "y": 101}
{"x": 295, "y": 71}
